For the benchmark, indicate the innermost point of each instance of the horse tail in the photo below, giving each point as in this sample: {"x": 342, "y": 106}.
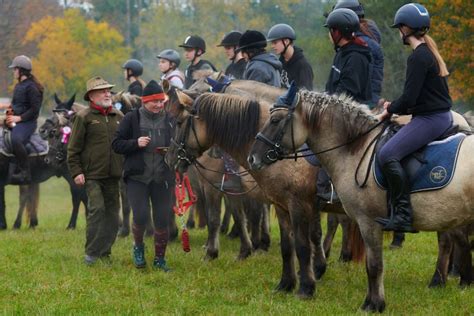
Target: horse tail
{"x": 32, "y": 204}
{"x": 356, "y": 243}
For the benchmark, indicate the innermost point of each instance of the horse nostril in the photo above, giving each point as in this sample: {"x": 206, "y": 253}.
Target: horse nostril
{"x": 46, "y": 160}
{"x": 250, "y": 159}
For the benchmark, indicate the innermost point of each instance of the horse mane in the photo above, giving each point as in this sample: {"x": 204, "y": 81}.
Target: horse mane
{"x": 76, "y": 107}
{"x": 356, "y": 117}
{"x": 128, "y": 100}
{"x": 231, "y": 121}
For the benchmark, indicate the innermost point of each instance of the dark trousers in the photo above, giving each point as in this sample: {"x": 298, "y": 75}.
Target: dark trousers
{"x": 21, "y": 133}
{"x": 421, "y": 130}
{"x": 140, "y": 195}
{"x": 103, "y": 218}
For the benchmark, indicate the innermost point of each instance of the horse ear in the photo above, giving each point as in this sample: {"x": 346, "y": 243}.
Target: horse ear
{"x": 71, "y": 101}
{"x": 56, "y": 99}
{"x": 166, "y": 86}
{"x": 184, "y": 99}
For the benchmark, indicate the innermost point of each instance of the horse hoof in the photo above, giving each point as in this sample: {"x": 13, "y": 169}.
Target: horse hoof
{"x": 306, "y": 292}
{"x": 244, "y": 255}
{"x": 437, "y": 282}
{"x": 70, "y": 227}
{"x": 211, "y": 255}
{"x": 319, "y": 271}
{"x": 265, "y": 245}
{"x": 370, "y": 306}
{"x": 123, "y": 233}
{"x": 285, "y": 286}
{"x": 190, "y": 224}
{"x": 394, "y": 246}
{"x": 17, "y": 225}
{"x": 345, "y": 257}
{"x": 463, "y": 284}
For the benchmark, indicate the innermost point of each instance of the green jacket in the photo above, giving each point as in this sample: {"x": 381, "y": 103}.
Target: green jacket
{"x": 89, "y": 150}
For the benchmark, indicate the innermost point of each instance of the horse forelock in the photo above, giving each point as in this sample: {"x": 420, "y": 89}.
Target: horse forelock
{"x": 231, "y": 121}
{"x": 356, "y": 117}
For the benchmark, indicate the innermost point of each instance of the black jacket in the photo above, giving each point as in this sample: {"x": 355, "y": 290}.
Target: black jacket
{"x": 125, "y": 142}
{"x": 351, "y": 72}
{"x": 297, "y": 69}
{"x": 236, "y": 70}
{"x": 27, "y": 99}
{"x": 201, "y": 65}
{"x": 425, "y": 91}
{"x": 135, "y": 88}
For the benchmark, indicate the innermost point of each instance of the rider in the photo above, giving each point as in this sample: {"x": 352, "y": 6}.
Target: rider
{"x": 230, "y": 42}
{"x": 142, "y": 137}
{"x": 169, "y": 63}
{"x": 426, "y": 98}
{"x": 262, "y": 66}
{"x": 133, "y": 69}
{"x": 350, "y": 73}
{"x": 26, "y": 104}
{"x": 370, "y": 33}
{"x": 194, "y": 47}
{"x": 295, "y": 66}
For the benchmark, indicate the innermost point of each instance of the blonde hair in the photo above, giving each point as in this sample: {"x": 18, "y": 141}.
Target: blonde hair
{"x": 443, "y": 70}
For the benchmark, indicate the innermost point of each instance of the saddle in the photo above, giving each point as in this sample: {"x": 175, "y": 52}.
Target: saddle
{"x": 36, "y": 146}
{"x": 430, "y": 168}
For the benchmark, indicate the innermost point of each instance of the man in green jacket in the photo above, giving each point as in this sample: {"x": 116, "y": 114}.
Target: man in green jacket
{"x": 93, "y": 163}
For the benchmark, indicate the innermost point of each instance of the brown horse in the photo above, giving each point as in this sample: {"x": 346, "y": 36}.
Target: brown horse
{"x": 231, "y": 122}
{"x": 323, "y": 122}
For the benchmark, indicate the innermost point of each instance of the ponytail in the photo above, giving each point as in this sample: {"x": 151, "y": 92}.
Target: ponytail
{"x": 29, "y": 75}
{"x": 364, "y": 28}
{"x": 443, "y": 70}
{"x": 37, "y": 83}
{"x": 142, "y": 83}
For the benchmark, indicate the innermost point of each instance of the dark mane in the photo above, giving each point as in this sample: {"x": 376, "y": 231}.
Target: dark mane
{"x": 231, "y": 121}
{"x": 356, "y": 117}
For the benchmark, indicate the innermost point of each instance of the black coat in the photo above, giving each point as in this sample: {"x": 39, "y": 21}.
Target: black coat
{"x": 351, "y": 72}
{"x": 297, "y": 69}
{"x": 136, "y": 88}
{"x": 27, "y": 99}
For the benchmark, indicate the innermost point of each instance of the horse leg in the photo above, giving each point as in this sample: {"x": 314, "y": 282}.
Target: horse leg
{"x": 319, "y": 257}
{"x": 301, "y": 231}
{"x": 32, "y": 204}
{"x": 288, "y": 275}
{"x": 346, "y": 251}
{"x": 373, "y": 239}
{"x": 225, "y": 221}
{"x": 265, "y": 240}
{"x": 461, "y": 238}
{"x": 237, "y": 209}
{"x": 397, "y": 241}
{"x": 23, "y": 190}
{"x": 332, "y": 223}
{"x": 445, "y": 247}
{"x": 3, "y": 221}
{"x": 76, "y": 196}
{"x": 125, "y": 228}
{"x": 255, "y": 219}
{"x": 213, "y": 203}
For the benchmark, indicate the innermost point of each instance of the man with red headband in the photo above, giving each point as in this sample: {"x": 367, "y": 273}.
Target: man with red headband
{"x": 93, "y": 163}
{"x": 143, "y": 138}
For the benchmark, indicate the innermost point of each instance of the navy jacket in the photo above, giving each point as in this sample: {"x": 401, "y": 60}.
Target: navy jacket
{"x": 264, "y": 68}
{"x": 376, "y": 65}
{"x": 27, "y": 99}
{"x": 350, "y": 72}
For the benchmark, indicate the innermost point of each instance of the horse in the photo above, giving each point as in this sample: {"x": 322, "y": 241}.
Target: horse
{"x": 231, "y": 122}
{"x": 341, "y": 131}
{"x": 259, "y": 91}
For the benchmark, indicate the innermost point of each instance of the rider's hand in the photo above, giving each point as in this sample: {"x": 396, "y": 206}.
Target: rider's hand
{"x": 386, "y": 104}
{"x": 80, "y": 180}
{"x": 13, "y": 119}
{"x": 143, "y": 141}
{"x": 382, "y": 116}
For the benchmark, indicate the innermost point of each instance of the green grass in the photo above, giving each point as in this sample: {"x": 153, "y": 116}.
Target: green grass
{"x": 42, "y": 272}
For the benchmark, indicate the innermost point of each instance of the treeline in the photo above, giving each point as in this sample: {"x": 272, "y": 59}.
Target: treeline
{"x": 70, "y": 45}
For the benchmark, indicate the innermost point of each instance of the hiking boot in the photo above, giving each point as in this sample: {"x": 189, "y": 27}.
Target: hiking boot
{"x": 401, "y": 212}
{"x": 139, "y": 256}
{"x": 160, "y": 264}
{"x": 90, "y": 260}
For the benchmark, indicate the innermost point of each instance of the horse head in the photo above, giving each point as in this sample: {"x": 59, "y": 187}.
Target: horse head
{"x": 126, "y": 102}
{"x": 283, "y": 133}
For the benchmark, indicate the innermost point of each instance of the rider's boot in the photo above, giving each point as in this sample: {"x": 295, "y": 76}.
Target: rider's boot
{"x": 401, "y": 215}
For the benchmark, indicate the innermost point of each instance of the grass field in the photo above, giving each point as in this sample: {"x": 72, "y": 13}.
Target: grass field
{"x": 42, "y": 272}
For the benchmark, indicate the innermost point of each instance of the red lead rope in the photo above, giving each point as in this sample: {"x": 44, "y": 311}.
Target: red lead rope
{"x": 182, "y": 187}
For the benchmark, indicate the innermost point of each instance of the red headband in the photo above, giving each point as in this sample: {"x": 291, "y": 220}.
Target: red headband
{"x": 159, "y": 96}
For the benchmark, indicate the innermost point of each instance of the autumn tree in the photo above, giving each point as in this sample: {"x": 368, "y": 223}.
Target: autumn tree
{"x": 73, "y": 49}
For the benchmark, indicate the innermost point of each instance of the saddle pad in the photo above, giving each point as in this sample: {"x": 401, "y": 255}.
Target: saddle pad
{"x": 36, "y": 146}
{"x": 438, "y": 168}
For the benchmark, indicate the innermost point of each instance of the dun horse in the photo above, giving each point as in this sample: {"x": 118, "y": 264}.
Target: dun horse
{"x": 325, "y": 122}
{"x": 231, "y": 122}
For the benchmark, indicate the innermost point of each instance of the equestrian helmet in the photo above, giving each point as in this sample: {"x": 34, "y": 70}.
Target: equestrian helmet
{"x": 281, "y": 31}
{"x": 413, "y": 15}
{"x": 194, "y": 41}
{"x": 135, "y": 66}
{"x": 21, "y": 61}
{"x": 252, "y": 39}
{"x": 171, "y": 55}
{"x": 344, "y": 20}
{"x": 231, "y": 39}
{"x": 354, "y": 5}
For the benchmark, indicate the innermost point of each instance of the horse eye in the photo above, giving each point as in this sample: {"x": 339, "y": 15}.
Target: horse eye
{"x": 275, "y": 120}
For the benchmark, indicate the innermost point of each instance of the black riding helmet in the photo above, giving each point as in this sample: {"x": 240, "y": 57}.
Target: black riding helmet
{"x": 281, "y": 31}
{"x": 231, "y": 39}
{"x": 135, "y": 66}
{"x": 195, "y": 42}
{"x": 413, "y": 15}
{"x": 344, "y": 20}
{"x": 354, "y": 5}
{"x": 252, "y": 39}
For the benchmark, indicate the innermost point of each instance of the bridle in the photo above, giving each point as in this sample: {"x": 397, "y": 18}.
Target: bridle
{"x": 181, "y": 152}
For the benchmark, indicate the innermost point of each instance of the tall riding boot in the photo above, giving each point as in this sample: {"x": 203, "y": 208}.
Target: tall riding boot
{"x": 22, "y": 175}
{"x": 324, "y": 188}
{"x": 401, "y": 212}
